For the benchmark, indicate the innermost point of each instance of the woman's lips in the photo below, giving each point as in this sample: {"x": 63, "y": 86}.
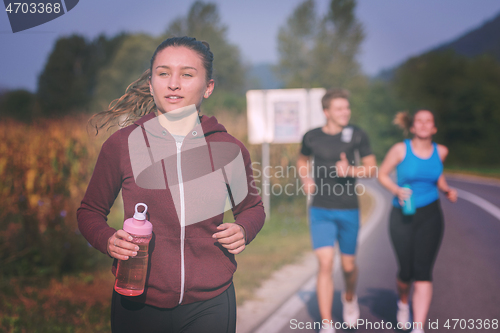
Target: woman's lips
{"x": 174, "y": 99}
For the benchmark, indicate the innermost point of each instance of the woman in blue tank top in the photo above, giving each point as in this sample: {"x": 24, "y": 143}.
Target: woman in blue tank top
{"x": 416, "y": 238}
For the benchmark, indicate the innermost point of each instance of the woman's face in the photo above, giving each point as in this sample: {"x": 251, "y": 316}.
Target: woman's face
{"x": 423, "y": 125}
{"x": 178, "y": 79}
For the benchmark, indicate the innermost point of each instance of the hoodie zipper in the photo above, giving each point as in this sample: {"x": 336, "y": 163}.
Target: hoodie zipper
{"x": 183, "y": 218}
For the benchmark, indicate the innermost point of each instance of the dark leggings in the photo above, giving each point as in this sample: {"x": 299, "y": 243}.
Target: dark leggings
{"x": 416, "y": 240}
{"x": 216, "y": 315}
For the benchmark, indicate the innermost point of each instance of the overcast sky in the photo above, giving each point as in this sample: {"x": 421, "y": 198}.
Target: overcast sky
{"x": 395, "y": 29}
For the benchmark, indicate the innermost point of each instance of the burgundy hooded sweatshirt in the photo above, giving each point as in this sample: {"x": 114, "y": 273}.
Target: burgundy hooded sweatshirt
{"x": 186, "y": 264}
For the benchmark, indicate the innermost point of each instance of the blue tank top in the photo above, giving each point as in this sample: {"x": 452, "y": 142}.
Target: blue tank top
{"x": 421, "y": 174}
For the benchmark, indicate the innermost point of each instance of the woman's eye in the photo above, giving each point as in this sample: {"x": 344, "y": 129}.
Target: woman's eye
{"x": 163, "y": 74}
{"x": 187, "y": 74}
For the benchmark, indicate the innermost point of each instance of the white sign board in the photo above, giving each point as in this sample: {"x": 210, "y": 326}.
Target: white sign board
{"x": 283, "y": 115}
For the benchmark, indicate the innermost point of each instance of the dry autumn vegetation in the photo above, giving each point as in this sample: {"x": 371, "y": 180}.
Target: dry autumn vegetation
{"x": 44, "y": 169}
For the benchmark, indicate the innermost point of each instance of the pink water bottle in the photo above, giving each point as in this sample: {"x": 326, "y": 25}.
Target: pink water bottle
{"x": 131, "y": 273}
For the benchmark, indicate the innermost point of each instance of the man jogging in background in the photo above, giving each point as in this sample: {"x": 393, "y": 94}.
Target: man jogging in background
{"x": 334, "y": 212}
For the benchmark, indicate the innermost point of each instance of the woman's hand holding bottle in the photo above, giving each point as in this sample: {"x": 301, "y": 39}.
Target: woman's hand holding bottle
{"x": 403, "y": 194}
{"x": 120, "y": 245}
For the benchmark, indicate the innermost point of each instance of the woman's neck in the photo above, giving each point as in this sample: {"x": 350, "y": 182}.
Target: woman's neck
{"x": 422, "y": 142}
{"x": 180, "y": 121}
{"x": 421, "y": 145}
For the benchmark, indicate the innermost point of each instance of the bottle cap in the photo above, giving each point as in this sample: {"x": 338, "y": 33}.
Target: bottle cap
{"x": 138, "y": 215}
{"x": 138, "y": 225}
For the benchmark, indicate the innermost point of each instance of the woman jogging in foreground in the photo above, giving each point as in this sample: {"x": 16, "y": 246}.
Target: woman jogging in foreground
{"x": 188, "y": 170}
{"x": 416, "y": 237}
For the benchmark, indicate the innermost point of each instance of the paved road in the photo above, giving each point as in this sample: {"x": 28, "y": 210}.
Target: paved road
{"x": 466, "y": 273}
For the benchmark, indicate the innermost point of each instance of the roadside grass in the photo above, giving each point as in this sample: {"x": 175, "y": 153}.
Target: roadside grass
{"x": 283, "y": 239}
{"x": 78, "y": 303}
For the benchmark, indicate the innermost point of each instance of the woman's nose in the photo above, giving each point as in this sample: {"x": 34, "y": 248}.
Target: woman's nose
{"x": 173, "y": 84}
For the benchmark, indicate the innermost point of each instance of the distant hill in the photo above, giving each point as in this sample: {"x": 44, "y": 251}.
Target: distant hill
{"x": 3, "y": 90}
{"x": 482, "y": 40}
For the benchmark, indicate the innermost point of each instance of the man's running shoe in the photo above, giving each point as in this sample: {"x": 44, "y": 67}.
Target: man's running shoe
{"x": 350, "y": 310}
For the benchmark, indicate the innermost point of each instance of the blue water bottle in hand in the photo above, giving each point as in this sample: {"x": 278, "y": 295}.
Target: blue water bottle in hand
{"x": 408, "y": 205}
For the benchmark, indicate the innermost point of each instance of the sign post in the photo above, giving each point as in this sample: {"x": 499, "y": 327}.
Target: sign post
{"x": 266, "y": 180}
{"x": 281, "y": 116}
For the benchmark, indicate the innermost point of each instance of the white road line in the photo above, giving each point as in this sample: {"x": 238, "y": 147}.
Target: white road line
{"x": 478, "y": 201}
{"x": 289, "y": 309}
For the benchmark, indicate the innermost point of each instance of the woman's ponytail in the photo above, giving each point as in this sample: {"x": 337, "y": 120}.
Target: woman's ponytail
{"x": 404, "y": 121}
{"x": 135, "y": 103}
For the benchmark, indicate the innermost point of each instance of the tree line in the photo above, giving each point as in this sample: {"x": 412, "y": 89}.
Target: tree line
{"x": 83, "y": 75}
{"x": 315, "y": 50}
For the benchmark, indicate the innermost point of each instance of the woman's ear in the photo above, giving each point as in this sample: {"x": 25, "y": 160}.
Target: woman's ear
{"x": 210, "y": 88}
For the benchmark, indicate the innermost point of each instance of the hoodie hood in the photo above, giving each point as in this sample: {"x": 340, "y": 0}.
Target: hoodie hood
{"x": 202, "y": 163}
{"x": 208, "y": 126}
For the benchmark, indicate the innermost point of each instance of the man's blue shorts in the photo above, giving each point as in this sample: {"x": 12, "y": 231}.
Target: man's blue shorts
{"x": 327, "y": 225}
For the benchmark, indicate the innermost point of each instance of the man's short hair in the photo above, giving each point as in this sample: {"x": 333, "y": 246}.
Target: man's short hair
{"x": 332, "y": 94}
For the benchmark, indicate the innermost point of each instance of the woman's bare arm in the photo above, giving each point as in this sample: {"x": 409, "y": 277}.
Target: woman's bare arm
{"x": 395, "y": 155}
